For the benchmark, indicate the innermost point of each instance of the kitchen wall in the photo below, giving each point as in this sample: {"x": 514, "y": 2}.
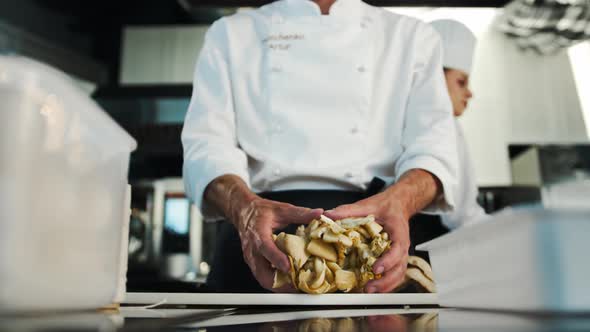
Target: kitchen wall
{"x": 163, "y": 54}
{"x": 519, "y": 97}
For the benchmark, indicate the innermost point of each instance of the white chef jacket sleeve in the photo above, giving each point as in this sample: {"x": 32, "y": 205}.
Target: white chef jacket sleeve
{"x": 467, "y": 210}
{"x": 471, "y": 214}
{"x": 428, "y": 138}
{"x": 209, "y": 135}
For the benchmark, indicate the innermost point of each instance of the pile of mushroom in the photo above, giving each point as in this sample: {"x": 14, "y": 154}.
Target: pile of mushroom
{"x": 328, "y": 256}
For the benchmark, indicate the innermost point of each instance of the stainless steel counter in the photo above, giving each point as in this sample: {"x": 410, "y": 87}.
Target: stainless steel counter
{"x": 301, "y": 319}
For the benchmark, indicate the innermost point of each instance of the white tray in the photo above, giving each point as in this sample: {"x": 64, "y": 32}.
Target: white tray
{"x": 526, "y": 259}
{"x": 281, "y": 299}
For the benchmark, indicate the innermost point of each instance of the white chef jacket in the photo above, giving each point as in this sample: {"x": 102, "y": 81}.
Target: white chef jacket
{"x": 288, "y": 98}
{"x": 467, "y": 211}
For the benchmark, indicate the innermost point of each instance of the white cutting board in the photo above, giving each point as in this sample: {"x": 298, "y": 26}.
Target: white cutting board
{"x": 282, "y": 299}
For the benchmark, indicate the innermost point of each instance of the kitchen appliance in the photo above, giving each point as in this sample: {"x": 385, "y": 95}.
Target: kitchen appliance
{"x": 171, "y": 239}
{"x": 560, "y": 170}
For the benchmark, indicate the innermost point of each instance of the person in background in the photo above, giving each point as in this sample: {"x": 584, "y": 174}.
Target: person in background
{"x": 458, "y": 48}
{"x": 302, "y": 108}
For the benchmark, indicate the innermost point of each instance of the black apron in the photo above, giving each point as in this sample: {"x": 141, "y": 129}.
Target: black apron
{"x": 230, "y": 273}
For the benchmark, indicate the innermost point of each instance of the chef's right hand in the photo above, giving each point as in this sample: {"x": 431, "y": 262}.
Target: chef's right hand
{"x": 256, "y": 220}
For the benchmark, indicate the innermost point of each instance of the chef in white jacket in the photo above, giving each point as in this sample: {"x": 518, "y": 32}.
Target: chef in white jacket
{"x": 298, "y": 108}
{"x": 458, "y": 48}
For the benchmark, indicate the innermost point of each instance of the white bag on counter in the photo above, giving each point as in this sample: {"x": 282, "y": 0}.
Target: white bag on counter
{"x": 525, "y": 259}
{"x": 63, "y": 177}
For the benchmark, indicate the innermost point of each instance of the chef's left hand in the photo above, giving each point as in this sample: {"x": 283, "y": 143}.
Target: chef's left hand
{"x": 389, "y": 211}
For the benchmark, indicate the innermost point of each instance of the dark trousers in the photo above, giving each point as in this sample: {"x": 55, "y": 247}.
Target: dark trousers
{"x": 230, "y": 273}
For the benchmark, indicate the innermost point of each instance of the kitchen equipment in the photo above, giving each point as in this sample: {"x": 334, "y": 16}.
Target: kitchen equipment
{"x": 528, "y": 259}
{"x": 560, "y": 170}
{"x": 170, "y": 245}
{"x": 177, "y": 230}
{"x": 63, "y": 178}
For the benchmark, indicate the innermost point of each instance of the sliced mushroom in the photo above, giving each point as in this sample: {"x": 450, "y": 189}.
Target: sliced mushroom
{"x": 378, "y": 246}
{"x": 349, "y": 261}
{"x": 292, "y": 272}
{"x": 364, "y": 278}
{"x": 318, "y": 233}
{"x": 320, "y": 273}
{"x": 422, "y": 265}
{"x": 301, "y": 231}
{"x": 333, "y": 266}
{"x": 332, "y": 224}
{"x": 293, "y": 246}
{"x": 373, "y": 228}
{"x": 371, "y": 261}
{"x": 345, "y": 280}
{"x": 281, "y": 279}
{"x": 355, "y": 237}
{"x": 331, "y": 237}
{"x": 349, "y": 223}
{"x": 364, "y": 252}
{"x": 418, "y": 276}
{"x": 322, "y": 249}
{"x": 329, "y": 275}
{"x": 313, "y": 225}
{"x": 306, "y": 278}
{"x": 331, "y": 280}
{"x": 341, "y": 250}
{"x": 344, "y": 240}
{"x": 364, "y": 233}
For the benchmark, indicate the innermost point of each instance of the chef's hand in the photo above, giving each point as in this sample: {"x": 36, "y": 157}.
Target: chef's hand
{"x": 256, "y": 219}
{"x": 392, "y": 209}
{"x": 390, "y": 213}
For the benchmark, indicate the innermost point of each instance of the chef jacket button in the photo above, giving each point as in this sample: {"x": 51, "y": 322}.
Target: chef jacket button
{"x": 354, "y": 130}
{"x": 277, "y": 171}
{"x": 276, "y": 69}
{"x": 361, "y": 69}
{"x": 349, "y": 175}
{"x": 364, "y": 25}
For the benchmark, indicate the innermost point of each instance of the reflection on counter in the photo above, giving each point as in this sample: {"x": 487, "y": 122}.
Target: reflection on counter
{"x": 282, "y": 319}
{"x": 377, "y": 323}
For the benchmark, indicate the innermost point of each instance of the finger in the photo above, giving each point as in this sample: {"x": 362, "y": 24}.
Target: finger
{"x": 288, "y": 288}
{"x": 298, "y": 215}
{"x": 388, "y": 281}
{"x": 348, "y": 210}
{"x": 273, "y": 254}
{"x": 390, "y": 258}
{"x": 261, "y": 269}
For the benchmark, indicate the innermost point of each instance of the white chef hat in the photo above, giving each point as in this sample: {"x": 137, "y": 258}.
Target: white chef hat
{"x": 458, "y": 44}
